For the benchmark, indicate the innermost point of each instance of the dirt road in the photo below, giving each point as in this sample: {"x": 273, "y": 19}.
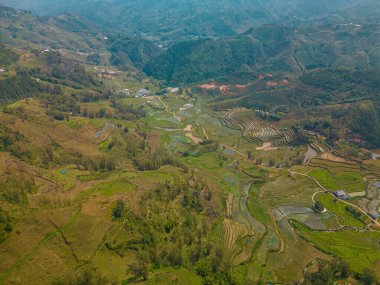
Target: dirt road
{"x": 343, "y": 201}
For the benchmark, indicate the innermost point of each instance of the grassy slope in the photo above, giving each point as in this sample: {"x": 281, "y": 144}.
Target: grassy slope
{"x": 361, "y": 250}
{"x": 347, "y": 181}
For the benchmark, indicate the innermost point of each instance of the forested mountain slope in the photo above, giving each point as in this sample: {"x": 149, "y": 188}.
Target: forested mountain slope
{"x": 174, "y": 20}
{"x": 271, "y": 48}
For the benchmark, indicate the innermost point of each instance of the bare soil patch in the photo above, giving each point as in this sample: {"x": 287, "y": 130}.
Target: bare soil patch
{"x": 267, "y": 146}
{"x": 332, "y": 157}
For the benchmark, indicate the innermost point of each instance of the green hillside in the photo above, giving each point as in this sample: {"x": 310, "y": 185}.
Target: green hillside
{"x": 268, "y": 49}
{"x": 190, "y": 142}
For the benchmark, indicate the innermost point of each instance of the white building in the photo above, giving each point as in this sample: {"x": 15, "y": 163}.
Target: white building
{"x": 142, "y": 93}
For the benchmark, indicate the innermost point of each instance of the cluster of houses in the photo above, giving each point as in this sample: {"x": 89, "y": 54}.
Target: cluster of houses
{"x": 124, "y": 92}
{"x": 342, "y": 195}
{"x": 350, "y": 137}
{"x": 142, "y": 92}
{"x": 106, "y": 73}
{"x": 354, "y": 140}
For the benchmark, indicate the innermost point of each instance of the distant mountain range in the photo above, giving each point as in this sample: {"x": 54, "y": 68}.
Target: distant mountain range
{"x": 169, "y": 20}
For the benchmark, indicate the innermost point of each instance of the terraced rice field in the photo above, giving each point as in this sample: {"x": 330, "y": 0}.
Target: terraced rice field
{"x": 373, "y": 167}
{"x": 350, "y": 182}
{"x": 256, "y": 129}
{"x": 335, "y": 167}
{"x": 338, "y": 209}
{"x": 360, "y": 249}
{"x": 239, "y": 233}
{"x": 230, "y": 235}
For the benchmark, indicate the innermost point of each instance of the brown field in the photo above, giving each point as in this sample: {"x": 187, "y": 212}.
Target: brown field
{"x": 332, "y": 157}
{"x": 267, "y": 146}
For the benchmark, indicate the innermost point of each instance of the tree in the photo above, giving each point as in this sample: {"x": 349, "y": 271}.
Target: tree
{"x": 93, "y": 58}
{"x": 340, "y": 268}
{"x": 102, "y": 113}
{"x": 259, "y": 161}
{"x": 8, "y": 228}
{"x": 318, "y": 206}
{"x": 368, "y": 277}
{"x": 140, "y": 268}
{"x": 118, "y": 211}
{"x": 300, "y": 137}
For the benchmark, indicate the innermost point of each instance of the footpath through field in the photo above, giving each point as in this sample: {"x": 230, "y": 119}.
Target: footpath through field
{"x": 223, "y": 145}
{"x": 168, "y": 111}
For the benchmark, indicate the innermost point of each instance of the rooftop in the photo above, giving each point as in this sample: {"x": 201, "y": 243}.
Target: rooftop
{"x": 340, "y": 193}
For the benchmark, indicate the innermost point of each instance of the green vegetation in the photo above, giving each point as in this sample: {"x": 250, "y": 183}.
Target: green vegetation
{"x": 359, "y": 249}
{"x": 16, "y": 188}
{"x": 190, "y": 184}
{"x": 117, "y": 187}
{"x": 119, "y": 209}
{"x": 182, "y": 276}
{"x": 7, "y": 56}
{"x": 335, "y": 168}
{"x": 127, "y": 51}
{"x": 19, "y": 87}
{"x": 86, "y": 276}
{"x": 338, "y": 208}
{"x": 5, "y": 225}
{"x": 347, "y": 181}
{"x": 318, "y": 206}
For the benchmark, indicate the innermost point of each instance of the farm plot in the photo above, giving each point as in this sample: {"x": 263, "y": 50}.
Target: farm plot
{"x": 258, "y": 227}
{"x": 338, "y": 208}
{"x": 371, "y": 203}
{"x": 350, "y": 182}
{"x": 256, "y": 129}
{"x": 283, "y": 212}
{"x": 359, "y": 249}
{"x": 286, "y": 190}
{"x": 372, "y": 167}
{"x": 335, "y": 167}
{"x": 235, "y": 238}
{"x": 239, "y": 233}
{"x": 316, "y": 221}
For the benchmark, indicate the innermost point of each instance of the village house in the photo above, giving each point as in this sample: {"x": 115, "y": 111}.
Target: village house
{"x": 340, "y": 194}
{"x": 142, "y": 93}
{"x": 374, "y": 215}
{"x": 124, "y": 92}
{"x": 173, "y": 90}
